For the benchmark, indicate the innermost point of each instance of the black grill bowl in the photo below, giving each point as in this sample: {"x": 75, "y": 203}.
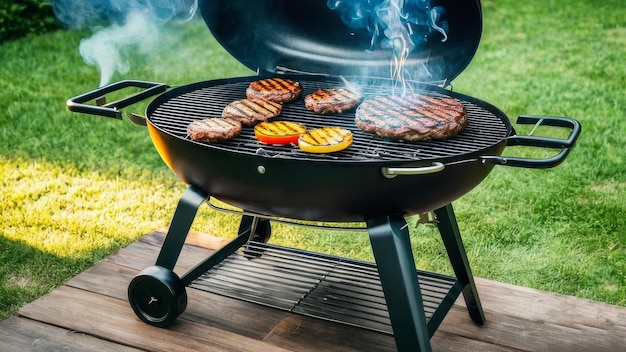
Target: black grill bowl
{"x": 345, "y": 186}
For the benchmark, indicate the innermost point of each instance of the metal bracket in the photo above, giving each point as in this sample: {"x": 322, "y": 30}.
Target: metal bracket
{"x": 427, "y": 219}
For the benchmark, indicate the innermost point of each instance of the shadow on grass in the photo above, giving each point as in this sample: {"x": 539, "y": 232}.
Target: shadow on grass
{"x": 27, "y": 273}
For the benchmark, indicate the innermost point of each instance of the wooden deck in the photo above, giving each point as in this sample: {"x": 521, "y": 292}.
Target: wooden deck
{"x": 90, "y": 313}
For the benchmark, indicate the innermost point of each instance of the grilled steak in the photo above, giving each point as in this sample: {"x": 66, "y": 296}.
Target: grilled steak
{"x": 251, "y": 111}
{"x": 332, "y": 101}
{"x": 412, "y": 118}
{"x": 274, "y": 89}
{"x": 213, "y": 129}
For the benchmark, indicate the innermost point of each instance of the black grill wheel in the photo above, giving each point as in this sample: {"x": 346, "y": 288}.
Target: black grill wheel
{"x": 157, "y": 295}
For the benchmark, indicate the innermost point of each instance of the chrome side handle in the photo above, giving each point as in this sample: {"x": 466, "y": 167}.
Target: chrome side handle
{"x": 391, "y": 172}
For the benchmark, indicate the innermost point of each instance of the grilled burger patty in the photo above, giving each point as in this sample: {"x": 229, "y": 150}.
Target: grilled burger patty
{"x": 214, "y": 129}
{"x": 252, "y": 111}
{"x": 332, "y": 101}
{"x": 274, "y": 89}
{"x": 412, "y": 118}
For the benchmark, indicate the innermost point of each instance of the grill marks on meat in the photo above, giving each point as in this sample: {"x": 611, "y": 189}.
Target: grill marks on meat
{"x": 332, "y": 101}
{"x": 213, "y": 129}
{"x": 279, "y": 90}
{"x": 412, "y": 118}
{"x": 252, "y": 111}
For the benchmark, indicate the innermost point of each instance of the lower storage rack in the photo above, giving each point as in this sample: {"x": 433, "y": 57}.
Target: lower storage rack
{"x": 318, "y": 285}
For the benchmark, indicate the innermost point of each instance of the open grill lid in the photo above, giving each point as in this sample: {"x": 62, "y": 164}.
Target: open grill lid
{"x": 308, "y": 36}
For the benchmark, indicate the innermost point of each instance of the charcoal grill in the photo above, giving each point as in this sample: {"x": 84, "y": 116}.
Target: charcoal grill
{"x": 375, "y": 182}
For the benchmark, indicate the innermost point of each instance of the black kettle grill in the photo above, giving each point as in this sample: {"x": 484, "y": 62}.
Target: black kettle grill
{"x": 376, "y": 182}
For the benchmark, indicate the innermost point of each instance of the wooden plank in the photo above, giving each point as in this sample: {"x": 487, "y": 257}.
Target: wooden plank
{"x": 535, "y": 305}
{"x": 457, "y": 333}
{"x": 94, "y": 305}
{"x": 200, "y": 239}
{"x": 144, "y": 252}
{"x": 528, "y": 335}
{"x": 522, "y": 316}
{"x": 112, "y": 277}
{"x": 300, "y": 333}
{"x": 19, "y": 334}
{"x": 112, "y": 319}
{"x": 105, "y": 278}
{"x": 445, "y": 342}
{"x": 246, "y": 319}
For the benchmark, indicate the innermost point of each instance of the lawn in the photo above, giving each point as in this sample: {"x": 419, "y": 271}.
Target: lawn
{"x": 76, "y": 188}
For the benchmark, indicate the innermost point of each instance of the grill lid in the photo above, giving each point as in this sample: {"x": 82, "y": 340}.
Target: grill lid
{"x": 309, "y": 36}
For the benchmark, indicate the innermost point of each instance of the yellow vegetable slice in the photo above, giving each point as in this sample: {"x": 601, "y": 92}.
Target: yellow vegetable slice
{"x": 325, "y": 140}
{"x": 279, "y": 132}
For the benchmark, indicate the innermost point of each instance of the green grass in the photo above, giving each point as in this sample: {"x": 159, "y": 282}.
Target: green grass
{"x": 74, "y": 188}
{"x": 562, "y": 230}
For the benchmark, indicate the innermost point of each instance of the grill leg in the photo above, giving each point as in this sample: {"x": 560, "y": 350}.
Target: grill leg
{"x": 185, "y": 212}
{"x": 391, "y": 245}
{"x": 451, "y": 236}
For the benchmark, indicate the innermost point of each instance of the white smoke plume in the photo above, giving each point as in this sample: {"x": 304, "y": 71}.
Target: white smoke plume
{"x": 120, "y": 26}
{"x": 397, "y": 25}
{"x": 106, "y": 48}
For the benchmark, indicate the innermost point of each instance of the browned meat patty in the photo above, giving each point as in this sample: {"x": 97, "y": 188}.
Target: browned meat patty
{"x": 213, "y": 129}
{"x": 332, "y": 101}
{"x": 277, "y": 89}
{"x": 251, "y": 111}
{"x": 412, "y": 118}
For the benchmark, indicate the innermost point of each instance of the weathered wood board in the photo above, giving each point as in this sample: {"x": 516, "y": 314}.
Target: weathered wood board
{"x": 91, "y": 313}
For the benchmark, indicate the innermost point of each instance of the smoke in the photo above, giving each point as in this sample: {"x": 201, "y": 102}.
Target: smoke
{"x": 106, "y": 49}
{"x": 397, "y": 25}
{"x": 120, "y": 26}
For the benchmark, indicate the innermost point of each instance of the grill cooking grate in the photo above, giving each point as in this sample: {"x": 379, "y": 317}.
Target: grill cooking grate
{"x": 208, "y": 99}
{"x": 317, "y": 285}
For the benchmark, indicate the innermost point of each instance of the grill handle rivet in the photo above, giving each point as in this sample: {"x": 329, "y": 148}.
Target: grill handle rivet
{"x": 260, "y": 169}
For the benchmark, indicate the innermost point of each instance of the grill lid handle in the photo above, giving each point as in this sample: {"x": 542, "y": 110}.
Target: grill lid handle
{"x": 77, "y": 104}
{"x": 540, "y": 142}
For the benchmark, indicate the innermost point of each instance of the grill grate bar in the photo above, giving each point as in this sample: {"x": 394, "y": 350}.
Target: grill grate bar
{"x": 483, "y": 130}
{"x": 313, "y": 284}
